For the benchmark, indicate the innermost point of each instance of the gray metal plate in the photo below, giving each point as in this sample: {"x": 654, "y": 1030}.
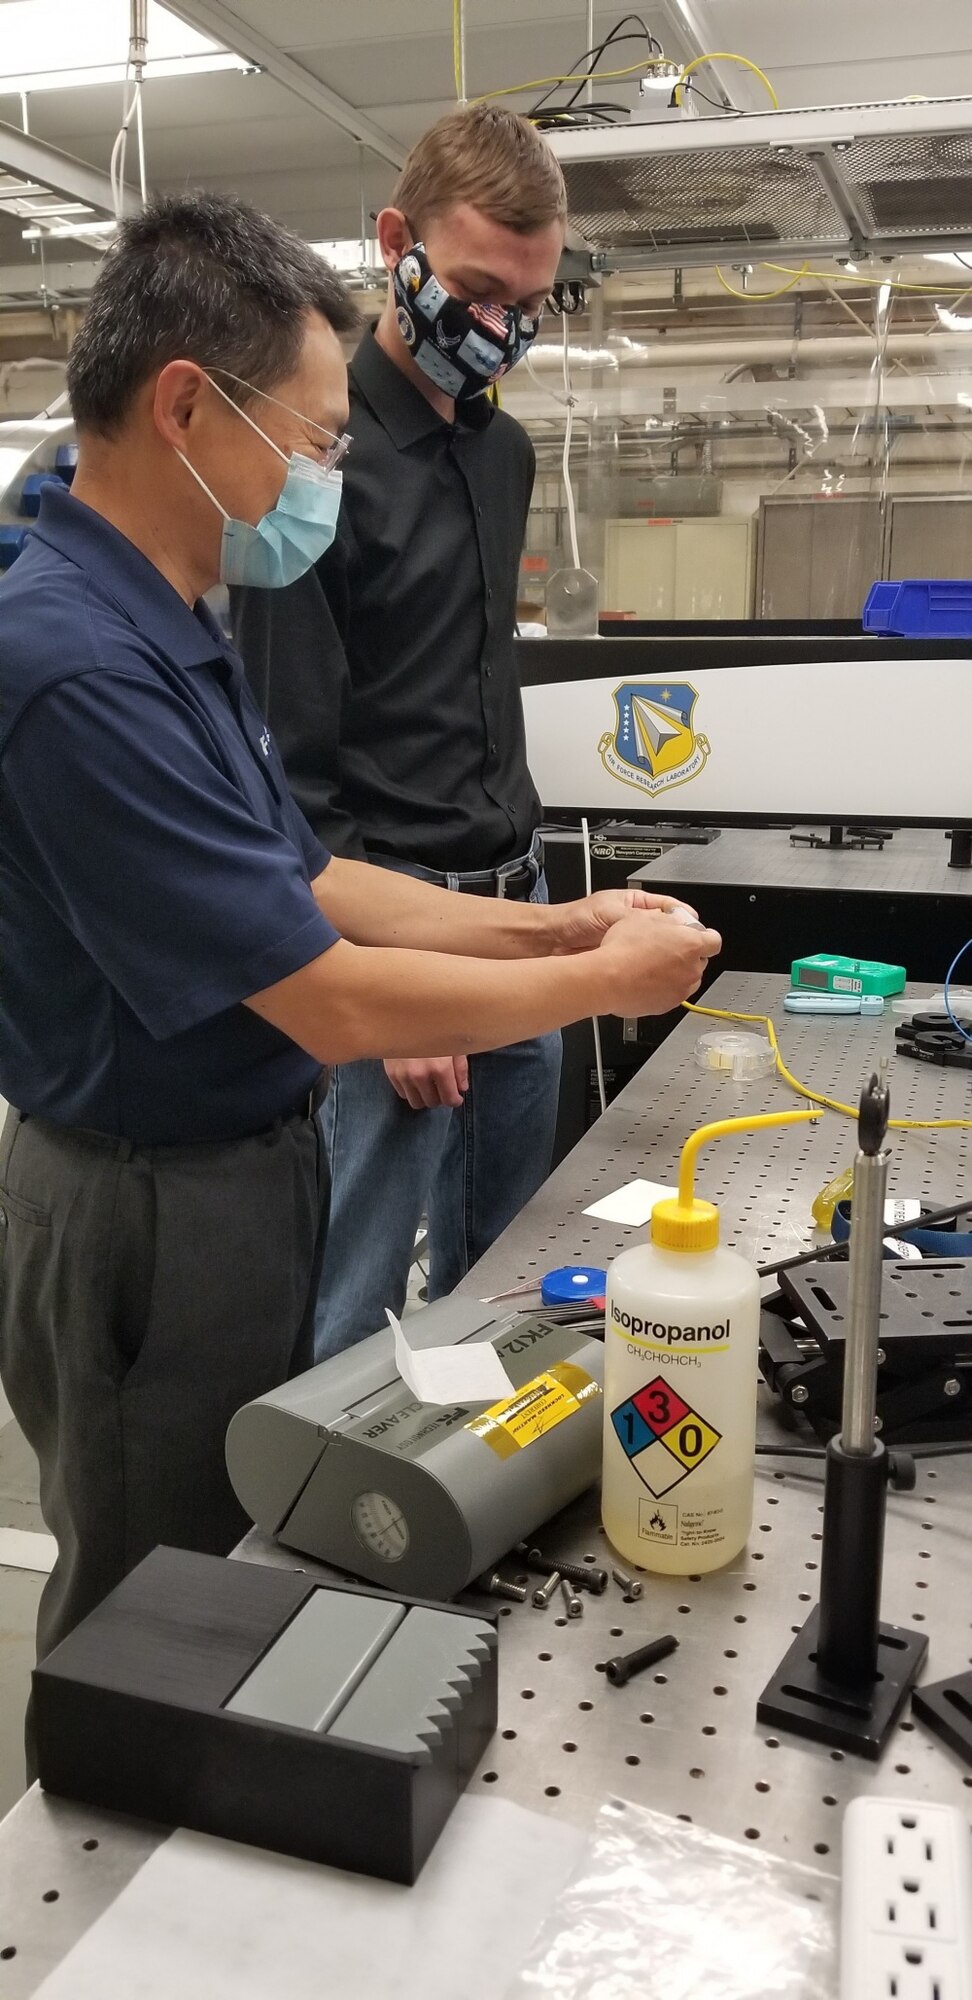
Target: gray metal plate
{"x": 913, "y": 863}
{"x": 567, "y": 1739}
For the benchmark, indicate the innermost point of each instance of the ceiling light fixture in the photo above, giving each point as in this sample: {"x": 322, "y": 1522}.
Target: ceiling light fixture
{"x": 93, "y": 232}
{"x": 62, "y": 45}
{"x": 76, "y": 79}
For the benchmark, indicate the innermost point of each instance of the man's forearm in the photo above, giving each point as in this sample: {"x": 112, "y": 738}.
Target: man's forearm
{"x": 356, "y": 1002}
{"x": 370, "y": 905}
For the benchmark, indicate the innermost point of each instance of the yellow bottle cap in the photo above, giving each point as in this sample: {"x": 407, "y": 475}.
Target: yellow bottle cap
{"x": 687, "y": 1223}
{"x": 676, "y": 1225}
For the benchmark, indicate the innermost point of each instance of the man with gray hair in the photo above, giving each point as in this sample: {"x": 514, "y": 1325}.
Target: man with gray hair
{"x": 181, "y": 955}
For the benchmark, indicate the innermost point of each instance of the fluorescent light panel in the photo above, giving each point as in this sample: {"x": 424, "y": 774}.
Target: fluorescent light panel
{"x": 75, "y": 79}
{"x": 90, "y": 39}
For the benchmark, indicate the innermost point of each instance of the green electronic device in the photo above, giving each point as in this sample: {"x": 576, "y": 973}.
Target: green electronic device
{"x": 825, "y": 974}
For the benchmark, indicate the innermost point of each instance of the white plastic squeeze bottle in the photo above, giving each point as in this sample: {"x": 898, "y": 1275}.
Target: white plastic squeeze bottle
{"x": 681, "y": 1349}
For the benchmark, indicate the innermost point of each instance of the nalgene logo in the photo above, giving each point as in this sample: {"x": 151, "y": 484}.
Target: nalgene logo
{"x": 672, "y": 1336}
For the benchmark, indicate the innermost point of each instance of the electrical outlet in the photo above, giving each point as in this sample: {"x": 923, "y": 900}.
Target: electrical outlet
{"x": 906, "y": 1902}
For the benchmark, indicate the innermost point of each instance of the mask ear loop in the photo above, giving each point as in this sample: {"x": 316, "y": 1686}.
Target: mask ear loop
{"x": 210, "y": 495}
{"x": 249, "y": 420}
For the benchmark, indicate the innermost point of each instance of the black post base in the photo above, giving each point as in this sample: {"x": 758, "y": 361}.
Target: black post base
{"x": 799, "y": 1699}
{"x": 946, "y": 1709}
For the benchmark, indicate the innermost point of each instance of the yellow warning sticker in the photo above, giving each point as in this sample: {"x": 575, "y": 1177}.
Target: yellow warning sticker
{"x": 692, "y": 1440}
{"x": 535, "y": 1409}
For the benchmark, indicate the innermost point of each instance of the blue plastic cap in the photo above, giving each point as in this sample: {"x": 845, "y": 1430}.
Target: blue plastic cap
{"x": 573, "y": 1285}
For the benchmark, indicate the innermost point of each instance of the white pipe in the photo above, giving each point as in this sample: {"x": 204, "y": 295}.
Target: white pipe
{"x": 699, "y": 354}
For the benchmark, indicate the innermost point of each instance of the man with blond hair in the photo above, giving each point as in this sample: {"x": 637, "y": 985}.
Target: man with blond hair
{"x": 388, "y": 677}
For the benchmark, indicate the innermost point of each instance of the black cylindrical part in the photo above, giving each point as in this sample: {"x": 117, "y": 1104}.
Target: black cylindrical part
{"x": 855, "y": 1497}
{"x": 960, "y": 851}
{"x": 624, "y": 1666}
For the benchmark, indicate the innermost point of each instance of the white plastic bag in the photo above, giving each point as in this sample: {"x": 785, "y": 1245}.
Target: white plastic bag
{"x": 662, "y": 1910}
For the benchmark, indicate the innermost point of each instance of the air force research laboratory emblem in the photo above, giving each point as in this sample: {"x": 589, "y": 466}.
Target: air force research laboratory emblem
{"x": 654, "y": 745}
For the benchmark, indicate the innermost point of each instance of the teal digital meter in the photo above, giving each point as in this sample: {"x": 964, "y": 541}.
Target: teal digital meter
{"x": 857, "y": 976}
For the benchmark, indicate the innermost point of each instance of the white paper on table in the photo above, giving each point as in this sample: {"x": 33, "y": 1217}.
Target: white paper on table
{"x": 631, "y": 1204}
{"x": 470, "y": 1372}
{"x": 209, "y": 1917}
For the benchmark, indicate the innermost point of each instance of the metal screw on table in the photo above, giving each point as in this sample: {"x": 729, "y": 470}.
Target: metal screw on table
{"x": 497, "y": 1586}
{"x": 952, "y": 1387}
{"x": 575, "y": 1608}
{"x": 542, "y": 1596}
{"x": 626, "y": 1583}
{"x": 799, "y": 1392}
{"x": 588, "y": 1578}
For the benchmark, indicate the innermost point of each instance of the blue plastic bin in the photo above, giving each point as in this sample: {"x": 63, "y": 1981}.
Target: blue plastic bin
{"x": 11, "y": 542}
{"x": 921, "y": 608}
{"x": 33, "y": 487}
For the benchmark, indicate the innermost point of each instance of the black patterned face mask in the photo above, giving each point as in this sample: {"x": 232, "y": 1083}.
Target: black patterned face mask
{"x": 462, "y": 348}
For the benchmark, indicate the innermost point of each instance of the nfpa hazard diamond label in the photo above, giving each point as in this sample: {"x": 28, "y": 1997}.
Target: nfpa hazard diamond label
{"x": 663, "y": 1436}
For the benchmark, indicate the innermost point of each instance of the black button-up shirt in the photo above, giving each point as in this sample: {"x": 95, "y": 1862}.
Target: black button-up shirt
{"x": 387, "y": 673}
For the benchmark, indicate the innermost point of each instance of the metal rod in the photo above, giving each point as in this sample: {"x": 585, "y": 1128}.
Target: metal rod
{"x": 138, "y": 46}
{"x": 864, "y": 1283}
{"x": 462, "y": 51}
{"x": 363, "y": 206}
{"x": 589, "y": 85}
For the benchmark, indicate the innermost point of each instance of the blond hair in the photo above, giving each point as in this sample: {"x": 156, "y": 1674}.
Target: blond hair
{"x": 489, "y": 157}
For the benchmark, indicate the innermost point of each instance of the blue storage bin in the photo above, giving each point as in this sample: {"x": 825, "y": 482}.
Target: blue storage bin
{"x": 921, "y": 608}
{"x": 34, "y": 485}
{"x": 11, "y": 542}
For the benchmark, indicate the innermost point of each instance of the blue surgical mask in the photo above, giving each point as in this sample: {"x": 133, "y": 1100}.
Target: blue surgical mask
{"x": 294, "y": 534}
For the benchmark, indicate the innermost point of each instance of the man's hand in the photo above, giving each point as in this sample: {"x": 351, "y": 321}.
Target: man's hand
{"x": 653, "y": 962}
{"x": 425, "y": 1081}
{"x": 583, "y": 925}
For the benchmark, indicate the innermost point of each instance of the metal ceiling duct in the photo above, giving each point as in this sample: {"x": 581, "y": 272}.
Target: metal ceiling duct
{"x": 855, "y": 180}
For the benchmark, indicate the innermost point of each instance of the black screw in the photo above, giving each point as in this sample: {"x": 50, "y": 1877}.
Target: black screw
{"x": 582, "y": 1574}
{"x": 621, "y": 1669}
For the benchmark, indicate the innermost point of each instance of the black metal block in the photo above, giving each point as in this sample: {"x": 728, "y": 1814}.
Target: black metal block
{"x": 135, "y": 1711}
{"x": 860, "y": 1719}
{"x": 946, "y": 1709}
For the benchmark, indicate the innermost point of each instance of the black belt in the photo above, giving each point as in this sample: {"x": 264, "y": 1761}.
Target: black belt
{"x": 123, "y": 1148}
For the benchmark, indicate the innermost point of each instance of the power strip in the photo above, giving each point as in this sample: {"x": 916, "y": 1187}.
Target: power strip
{"x": 906, "y": 1902}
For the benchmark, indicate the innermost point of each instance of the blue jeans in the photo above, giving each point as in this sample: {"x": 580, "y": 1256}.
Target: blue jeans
{"x": 470, "y": 1170}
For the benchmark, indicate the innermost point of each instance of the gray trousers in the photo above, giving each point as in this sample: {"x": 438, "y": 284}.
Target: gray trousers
{"x": 145, "y": 1294}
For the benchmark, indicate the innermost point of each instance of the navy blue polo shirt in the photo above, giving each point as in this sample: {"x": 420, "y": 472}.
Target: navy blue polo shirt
{"x": 154, "y": 869}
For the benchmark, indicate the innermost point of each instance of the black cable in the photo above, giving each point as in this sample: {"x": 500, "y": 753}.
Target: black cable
{"x": 829, "y": 1251}
{"x": 613, "y": 40}
{"x": 599, "y": 108}
{"x": 690, "y": 84}
{"x": 594, "y": 55}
